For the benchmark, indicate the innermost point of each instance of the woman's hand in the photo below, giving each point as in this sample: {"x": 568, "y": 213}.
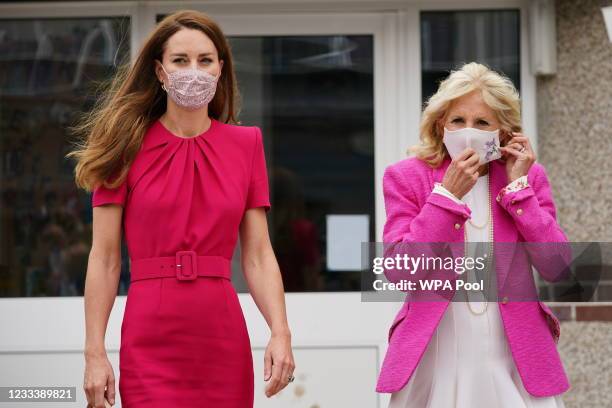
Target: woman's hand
{"x": 98, "y": 375}
{"x": 278, "y": 363}
{"x": 462, "y": 173}
{"x": 519, "y": 156}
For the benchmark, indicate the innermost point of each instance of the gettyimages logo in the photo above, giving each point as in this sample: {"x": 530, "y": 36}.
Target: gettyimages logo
{"x": 513, "y": 271}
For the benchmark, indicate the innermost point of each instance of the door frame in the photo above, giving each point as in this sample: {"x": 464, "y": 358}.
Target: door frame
{"x": 344, "y": 307}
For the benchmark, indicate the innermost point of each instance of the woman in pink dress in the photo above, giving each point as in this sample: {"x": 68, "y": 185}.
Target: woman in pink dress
{"x": 170, "y": 169}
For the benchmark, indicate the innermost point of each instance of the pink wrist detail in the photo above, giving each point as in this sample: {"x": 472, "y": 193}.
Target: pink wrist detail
{"x": 517, "y": 185}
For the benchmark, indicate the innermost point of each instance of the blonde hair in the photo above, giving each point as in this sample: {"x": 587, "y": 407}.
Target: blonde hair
{"x": 110, "y": 135}
{"x": 497, "y": 91}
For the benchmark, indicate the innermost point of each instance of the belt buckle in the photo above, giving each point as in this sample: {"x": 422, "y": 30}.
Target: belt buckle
{"x": 188, "y": 269}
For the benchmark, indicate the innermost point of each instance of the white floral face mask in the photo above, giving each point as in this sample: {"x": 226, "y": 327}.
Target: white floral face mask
{"x": 484, "y": 142}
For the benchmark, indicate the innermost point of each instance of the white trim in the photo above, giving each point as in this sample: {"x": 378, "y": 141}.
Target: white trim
{"x": 252, "y": 6}
{"x": 66, "y": 334}
{"x": 409, "y": 82}
{"x": 386, "y": 109}
{"x": 300, "y": 24}
{"x": 607, "y": 16}
{"x": 528, "y": 85}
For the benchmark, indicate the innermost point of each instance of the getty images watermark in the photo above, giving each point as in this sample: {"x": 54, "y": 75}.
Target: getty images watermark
{"x": 508, "y": 271}
{"x": 411, "y": 264}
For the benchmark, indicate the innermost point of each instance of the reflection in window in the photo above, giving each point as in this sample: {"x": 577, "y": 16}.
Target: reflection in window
{"x": 313, "y": 98}
{"x": 451, "y": 38}
{"x": 48, "y": 73}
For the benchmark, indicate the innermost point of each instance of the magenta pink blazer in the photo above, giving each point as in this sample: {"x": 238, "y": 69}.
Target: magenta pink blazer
{"x": 414, "y": 214}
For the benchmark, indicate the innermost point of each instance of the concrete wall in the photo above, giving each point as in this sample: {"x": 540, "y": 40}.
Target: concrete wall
{"x": 575, "y": 121}
{"x": 575, "y": 146}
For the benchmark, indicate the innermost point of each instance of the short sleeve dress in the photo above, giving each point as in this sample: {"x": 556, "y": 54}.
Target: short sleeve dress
{"x": 186, "y": 344}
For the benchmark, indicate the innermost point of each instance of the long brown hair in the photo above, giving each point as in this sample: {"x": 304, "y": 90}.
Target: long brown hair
{"x": 110, "y": 135}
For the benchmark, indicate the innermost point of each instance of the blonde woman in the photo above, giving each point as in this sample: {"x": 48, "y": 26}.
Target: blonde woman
{"x": 169, "y": 164}
{"x": 474, "y": 353}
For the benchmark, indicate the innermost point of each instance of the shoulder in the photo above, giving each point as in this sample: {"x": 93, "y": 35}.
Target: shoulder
{"x": 410, "y": 166}
{"x": 409, "y": 174}
{"x": 240, "y": 138}
{"x": 241, "y": 132}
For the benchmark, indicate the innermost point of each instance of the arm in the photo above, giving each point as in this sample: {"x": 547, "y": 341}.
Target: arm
{"x": 265, "y": 284}
{"x": 101, "y": 282}
{"x": 262, "y": 272}
{"x": 440, "y": 219}
{"x": 440, "y": 189}
{"x": 532, "y": 208}
{"x": 103, "y": 270}
{"x": 435, "y": 221}
{"x": 102, "y": 279}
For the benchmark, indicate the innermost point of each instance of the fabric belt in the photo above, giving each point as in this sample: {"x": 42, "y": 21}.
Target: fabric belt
{"x": 184, "y": 265}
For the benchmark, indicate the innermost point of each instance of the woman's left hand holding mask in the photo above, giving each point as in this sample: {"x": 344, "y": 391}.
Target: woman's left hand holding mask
{"x": 519, "y": 156}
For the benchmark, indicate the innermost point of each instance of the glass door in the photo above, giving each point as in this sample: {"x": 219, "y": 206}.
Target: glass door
{"x": 313, "y": 96}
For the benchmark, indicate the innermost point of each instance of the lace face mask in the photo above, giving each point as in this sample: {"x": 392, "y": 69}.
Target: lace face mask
{"x": 191, "y": 88}
{"x": 484, "y": 142}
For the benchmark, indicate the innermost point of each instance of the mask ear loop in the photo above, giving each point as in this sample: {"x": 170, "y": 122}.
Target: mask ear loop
{"x": 163, "y": 85}
{"x": 503, "y": 141}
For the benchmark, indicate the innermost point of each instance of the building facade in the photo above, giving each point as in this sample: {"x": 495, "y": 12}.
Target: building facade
{"x": 337, "y": 89}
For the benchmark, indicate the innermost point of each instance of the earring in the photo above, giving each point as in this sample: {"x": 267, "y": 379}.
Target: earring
{"x": 164, "y": 87}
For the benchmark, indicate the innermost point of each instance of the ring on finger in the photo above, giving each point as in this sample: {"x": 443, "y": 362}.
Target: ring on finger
{"x": 290, "y": 378}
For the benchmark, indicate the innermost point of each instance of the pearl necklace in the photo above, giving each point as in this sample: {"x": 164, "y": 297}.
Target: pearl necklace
{"x": 484, "y": 224}
{"x": 489, "y": 251}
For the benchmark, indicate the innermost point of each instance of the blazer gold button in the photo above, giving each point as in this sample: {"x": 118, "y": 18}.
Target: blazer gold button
{"x": 505, "y": 300}
{"x": 519, "y": 211}
{"x": 457, "y": 226}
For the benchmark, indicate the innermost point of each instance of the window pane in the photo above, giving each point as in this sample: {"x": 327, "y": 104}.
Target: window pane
{"x": 451, "y": 38}
{"x": 47, "y": 75}
{"x": 313, "y": 98}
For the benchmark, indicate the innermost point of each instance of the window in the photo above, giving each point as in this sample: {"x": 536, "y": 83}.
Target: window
{"x": 47, "y": 75}
{"x": 451, "y": 38}
{"x": 313, "y": 97}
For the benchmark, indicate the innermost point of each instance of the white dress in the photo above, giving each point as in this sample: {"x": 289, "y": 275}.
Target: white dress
{"x": 467, "y": 363}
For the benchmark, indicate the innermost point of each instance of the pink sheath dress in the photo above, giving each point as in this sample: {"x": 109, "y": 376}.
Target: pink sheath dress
{"x": 185, "y": 343}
